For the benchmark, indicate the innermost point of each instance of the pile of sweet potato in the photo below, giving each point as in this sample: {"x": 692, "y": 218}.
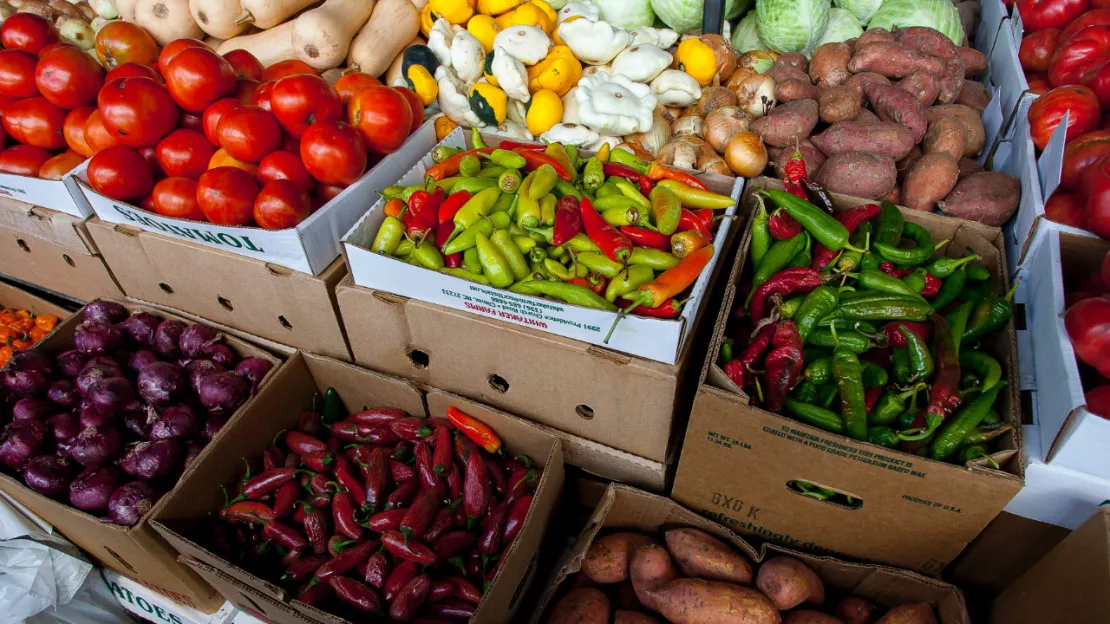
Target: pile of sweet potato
{"x": 695, "y": 578}
{"x": 890, "y": 115}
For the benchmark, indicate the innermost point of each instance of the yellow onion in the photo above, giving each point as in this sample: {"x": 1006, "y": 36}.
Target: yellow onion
{"x": 746, "y": 155}
{"x": 672, "y": 113}
{"x": 756, "y": 95}
{"x": 701, "y": 147}
{"x": 722, "y": 49}
{"x": 654, "y": 139}
{"x": 690, "y": 125}
{"x": 738, "y": 77}
{"x": 714, "y": 164}
{"x": 678, "y": 154}
{"x": 759, "y": 61}
{"x": 712, "y": 98}
{"x": 722, "y": 124}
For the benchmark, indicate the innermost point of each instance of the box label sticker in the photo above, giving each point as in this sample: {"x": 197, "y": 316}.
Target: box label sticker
{"x": 9, "y": 190}
{"x": 221, "y": 239}
{"x": 137, "y": 601}
{"x": 829, "y": 445}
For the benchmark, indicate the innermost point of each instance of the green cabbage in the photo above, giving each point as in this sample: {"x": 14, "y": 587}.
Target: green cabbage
{"x": 744, "y": 37}
{"x": 940, "y": 15}
{"x": 627, "y": 14}
{"x": 864, "y": 10}
{"x": 737, "y": 8}
{"x": 842, "y": 27}
{"x": 791, "y": 25}
{"x": 684, "y": 16}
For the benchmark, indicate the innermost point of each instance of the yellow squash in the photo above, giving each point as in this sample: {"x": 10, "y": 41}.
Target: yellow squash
{"x": 497, "y": 7}
{"x": 544, "y": 111}
{"x": 485, "y": 29}
{"x": 558, "y": 71}
{"x": 697, "y": 59}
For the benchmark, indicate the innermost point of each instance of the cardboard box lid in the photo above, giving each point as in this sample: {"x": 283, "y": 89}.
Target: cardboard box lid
{"x": 12, "y": 296}
{"x": 50, "y": 194}
{"x": 56, "y": 227}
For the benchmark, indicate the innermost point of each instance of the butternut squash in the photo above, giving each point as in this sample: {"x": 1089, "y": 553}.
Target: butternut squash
{"x": 394, "y": 76}
{"x": 322, "y": 36}
{"x": 266, "y": 14}
{"x": 269, "y": 46}
{"x": 392, "y": 25}
{"x": 167, "y": 20}
{"x": 217, "y": 17}
{"x": 126, "y": 9}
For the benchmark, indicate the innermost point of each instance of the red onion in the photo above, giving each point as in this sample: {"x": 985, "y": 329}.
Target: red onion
{"x": 199, "y": 369}
{"x": 32, "y": 409}
{"x": 64, "y": 392}
{"x": 97, "y": 338}
{"x": 166, "y": 338}
{"x": 64, "y": 426}
{"x": 20, "y": 441}
{"x": 113, "y": 395}
{"x": 29, "y": 360}
{"x": 71, "y": 362}
{"x": 223, "y": 392}
{"x": 196, "y": 338}
{"x": 138, "y": 423}
{"x": 152, "y": 460}
{"x": 177, "y": 422}
{"x": 222, "y": 355}
{"x": 89, "y": 416}
{"x": 254, "y": 369}
{"x": 26, "y": 382}
{"x": 92, "y": 489}
{"x": 48, "y": 475}
{"x": 97, "y": 445}
{"x": 141, "y": 327}
{"x": 213, "y": 426}
{"x": 160, "y": 382}
{"x": 106, "y": 311}
{"x": 97, "y": 369}
{"x": 140, "y": 359}
{"x": 130, "y": 502}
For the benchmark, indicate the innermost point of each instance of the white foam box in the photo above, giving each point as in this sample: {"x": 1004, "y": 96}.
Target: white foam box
{"x": 654, "y": 339}
{"x": 150, "y": 605}
{"x": 1054, "y": 494}
{"x": 61, "y": 195}
{"x": 309, "y": 247}
{"x": 1020, "y": 160}
{"x": 992, "y": 14}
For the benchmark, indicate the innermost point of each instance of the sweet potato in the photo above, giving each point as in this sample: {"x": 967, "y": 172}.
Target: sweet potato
{"x": 806, "y": 616}
{"x": 946, "y": 135}
{"x": 633, "y": 617}
{"x": 787, "y": 123}
{"x": 923, "y": 86}
{"x": 695, "y": 601}
{"x": 861, "y": 174}
{"x": 974, "y": 135}
{"x": 974, "y": 96}
{"x": 651, "y": 566}
{"x": 893, "y": 104}
{"x": 810, "y": 154}
{"x": 975, "y": 62}
{"x": 968, "y": 167}
{"x": 927, "y": 40}
{"x": 873, "y": 34}
{"x": 607, "y": 558}
{"x": 885, "y": 138}
{"x": 585, "y": 605}
{"x": 796, "y": 60}
{"x": 903, "y": 166}
{"x": 789, "y": 582}
{"x": 951, "y": 81}
{"x": 856, "y": 610}
{"x": 858, "y": 80}
{"x": 793, "y": 89}
{"x": 930, "y": 180}
{"x": 989, "y": 197}
{"x": 894, "y": 196}
{"x": 627, "y": 599}
{"x": 910, "y": 613}
{"x": 701, "y": 555}
{"x": 829, "y": 66}
{"x": 841, "y": 103}
{"x": 893, "y": 60}
{"x": 865, "y": 116}
{"x": 782, "y": 73}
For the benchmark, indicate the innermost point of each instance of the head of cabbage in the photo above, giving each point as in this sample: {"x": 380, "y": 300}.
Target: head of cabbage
{"x": 685, "y": 16}
{"x": 863, "y": 10}
{"x": 745, "y": 37}
{"x": 627, "y": 14}
{"x": 791, "y": 25}
{"x": 842, "y": 27}
{"x": 940, "y": 15}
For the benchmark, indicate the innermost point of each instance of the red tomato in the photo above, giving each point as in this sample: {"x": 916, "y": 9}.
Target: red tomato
{"x": 27, "y": 31}
{"x": 282, "y": 69}
{"x": 197, "y": 77}
{"x": 175, "y": 47}
{"x": 261, "y": 97}
{"x": 301, "y": 100}
{"x": 245, "y": 65}
{"x": 137, "y": 111}
{"x": 184, "y": 154}
{"x": 1088, "y": 325}
{"x": 1048, "y": 110}
{"x": 128, "y": 70}
{"x": 1066, "y": 208}
{"x": 191, "y": 121}
{"x": 1096, "y": 17}
{"x": 244, "y": 90}
{"x": 222, "y": 159}
{"x": 1085, "y": 51}
{"x": 1037, "y": 49}
{"x": 249, "y": 133}
{"x": 73, "y": 129}
{"x": 24, "y": 160}
{"x": 1041, "y": 14}
{"x": 37, "y": 122}
{"x": 416, "y": 105}
{"x": 1106, "y": 271}
{"x": 17, "y": 74}
{"x": 383, "y": 117}
{"x": 213, "y": 114}
{"x": 349, "y": 84}
{"x": 324, "y": 194}
{"x": 1094, "y": 192}
{"x": 1098, "y": 401}
{"x": 120, "y": 42}
{"x": 1098, "y": 80}
{"x": 333, "y": 152}
{"x": 177, "y": 198}
{"x": 291, "y": 145}
{"x": 152, "y": 159}
{"x": 120, "y": 173}
{"x": 1038, "y": 84}
{"x": 226, "y": 195}
{"x": 58, "y": 166}
{"x": 281, "y": 204}
{"x": 68, "y": 77}
{"x": 1081, "y": 153}
{"x": 96, "y": 134}
{"x": 147, "y": 202}
{"x": 285, "y": 166}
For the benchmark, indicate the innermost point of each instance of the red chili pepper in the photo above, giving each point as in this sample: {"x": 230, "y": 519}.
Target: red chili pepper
{"x": 596, "y": 284}
{"x": 783, "y": 226}
{"x": 476, "y": 488}
{"x": 669, "y": 309}
{"x": 514, "y": 520}
{"x": 402, "y": 450}
{"x": 377, "y": 417}
{"x": 624, "y": 171}
{"x": 453, "y": 543}
{"x": 412, "y": 429}
{"x": 496, "y": 477}
{"x": 454, "y": 483}
{"x": 449, "y": 207}
{"x": 568, "y": 220}
{"x": 404, "y": 494}
{"x": 445, "y": 519}
{"x": 285, "y": 498}
{"x": 660, "y": 172}
{"x": 932, "y": 285}
{"x": 410, "y": 599}
{"x": 335, "y": 445}
{"x": 690, "y": 221}
{"x": 425, "y": 470}
{"x": 318, "y": 461}
{"x": 851, "y": 219}
{"x": 304, "y": 568}
{"x": 535, "y": 159}
{"x": 647, "y": 238}
{"x": 316, "y": 526}
{"x": 248, "y": 511}
{"x": 454, "y": 609}
{"x": 450, "y": 167}
{"x": 872, "y": 396}
{"x": 402, "y": 573}
{"x": 492, "y": 526}
{"x": 464, "y": 446}
{"x": 315, "y": 593}
{"x": 795, "y": 172}
{"x": 389, "y": 520}
{"x": 614, "y": 244}
{"x": 420, "y": 515}
{"x": 320, "y": 484}
{"x": 739, "y": 369}
{"x": 786, "y": 282}
{"x": 377, "y": 570}
{"x": 895, "y": 337}
{"x": 441, "y": 451}
{"x": 348, "y": 481}
{"x": 894, "y": 271}
{"x": 378, "y": 435}
{"x": 783, "y": 366}
{"x": 355, "y": 593}
{"x": 309, "y": 422}
{"x": 412, "y": 550}
{"x": 520, "y": 481}
{"x": 283, "y": 535}
{"x": 944, "y": 395}
{"x": 475, "y": 430}
{"x": 442, "y": 233}
{"x": 272, "y": 458}
{"x": 292, "y": 556}
{"x": 420, "y": 217}
{"x": 346, "y": 561}
{"x": 377, "y": 478}
{"x": 292, "y": 460}
{"x": 343, "y": 514}
{"x": 318, "y": 501}
{"x": 401, "y": 471}
{"x": 515, "y": 145}
{"x": 303, "y": 444}
{"x": 267, "y": 482}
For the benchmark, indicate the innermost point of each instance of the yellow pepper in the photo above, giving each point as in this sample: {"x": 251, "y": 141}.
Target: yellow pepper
{"x": 545, "y": 110}
{"x": 558, "y": 71}
{"x": 485, "y": 29}
{"x": 427, "y": 19}
{"x": 497, "y": 7}
{"x": 423, "y": 84}
{"x": 443, "y": 127}
{"x": 527, "y": 15}
{"x": 697, "y": 59}
{"x": 454, "y": 11}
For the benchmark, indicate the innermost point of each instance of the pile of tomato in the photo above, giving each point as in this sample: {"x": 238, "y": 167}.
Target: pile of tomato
{"x": 1087, "y": 321}
{"x": 20, "y": 329}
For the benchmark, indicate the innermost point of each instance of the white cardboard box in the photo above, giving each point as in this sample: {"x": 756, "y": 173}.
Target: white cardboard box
{"x": 992, "y": 14}
{"x": 57, "y": 195}
{"x": 154, "y": 607}
{"x": 1005, "y": 68}
{"x": 310, "y": 247}
{"x": 1054, "y": 494}
{"x": 1022, "y": 163}
{"x": 655, "y": 339}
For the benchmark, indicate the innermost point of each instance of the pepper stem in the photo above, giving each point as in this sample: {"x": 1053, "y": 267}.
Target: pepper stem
{"x": 932, "y": 422}
{"x": 620, "y": 316}
{"x": 1010, "y": 295}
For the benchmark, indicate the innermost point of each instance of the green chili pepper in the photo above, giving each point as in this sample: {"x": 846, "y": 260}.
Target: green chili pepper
{"x": 626, "y": 157}
{"x": 726, "y": 351}
{"x": 974, "y": 452}
{"x": 891, "y": 224}
{"x": 630, "y": 191}
{"x": 469, "y": 166}
{"x": 900, "y": 363}
{"x": 776, "y": 259}
{"x": 564, "y": 188}
{"x": 848, "y": 374}
{"x": 985, "y": 433}
{"x": 389, "y": 236}
{"x": 827, "y": 394}
{"x": 579, "y": 242}
{"x": 599, "y": 262}
{"x": 509, "y": 181}
{"x": 619, "y": 217}
{"x": 950, "y": 289}
{"x": 882, "y": 436}
{"x": 507, "y": 159}
{"x": 890, "y": 406}
{"x": 427, "y": 256}
{"x": 494, "y": 265}
{"x": 665, "y": 210}
{"x": 813, "y": 415}
{"x": 863, "y": 327}
{"x": 868, "y": 262}
{"x": 827, "y": 230}
{"x": 466, "y": 275}
{"x": 977, "y": 272}
{"x": 992, "y": 419}
{"x": 626, "y": 281}
{"x": 983, "y": 365}
{"x": 953, "y": 432}
{"x": 619, "y": 202}
{"x": 957, "y": 320}
{"x": 504, "y": 203}
{"x": 525, "y": 244}
{"x": 570, "y": 293}
{"x": 492, "y": 171}
{"x": 819, "y": 371}
{"x": 442, "y": 153}
{"x": 817, "y": 305}
{"x": 391, "y": 192}
{"x": 467, "y": 239}
{"x": 504, "y": 243}
{"x": 761, "y": 236}
{"x": 789, "y": 308}
{"x": 849, "y": 340}
{"x": 471, "y": 262}
{"x": 990, "y": 314}
{"x": 921, "y": 360}
{"x": 910, "y": 256}
{"x": 851, "y": 258}
{"x": 537, "y": 254}
{"x": 557, "y": 270}
{"x": 470, "y": 185}
{"x": 657, "y": 259}
{"x": 474, "y": 209}
{"x": 580, "y": 270}
{"x": 404, "y": 249}
{"x": 543, "y": 182}
{"x": 804, "y": 257}
{"x": 884, "y": 307}
{"x": 476, "y": 138}
{"x": 884, "y": 283}
{"x": 915, "y": 281}
{"x": 608, "y": 189}
{"x": 943, "y": 267}
{"x": 592, "y": 175}
{"x": 806, "y": 391}
{"x": 974, "y": 292}
{"x": 333, "y": 407}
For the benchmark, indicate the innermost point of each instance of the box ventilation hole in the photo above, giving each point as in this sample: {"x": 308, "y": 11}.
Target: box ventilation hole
{"x": 226, "y": 303}
{"x": 165, "y": 288}
{"x": 498, "y": 383}
{"x": 824, "y": 494}
{"x": 121, "y": 560}
{"x": 285, "y": 322}
{"x": 418, "y": 358}
{"x": 585, "y": 411}
{"x": 23, "y": 245}
{"x": 69, "y": 260}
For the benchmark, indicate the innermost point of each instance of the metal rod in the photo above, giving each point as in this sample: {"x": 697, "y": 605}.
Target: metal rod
{"x": 713, "y": 18}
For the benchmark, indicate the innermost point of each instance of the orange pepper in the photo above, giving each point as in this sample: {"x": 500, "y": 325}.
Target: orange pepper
{"x": 20, "y": 345}
{"x": 46, "y": 321}
{"x": 23, "y": 324}
{"x": 7, "y": 334}
{"x": 394, "y": 207}
{"x": 23, "y": 314}
{"x": 37, "y": 333}
{"x": 478, "y": 432}
{"x": 7, "y": 316}
{"x": 5, "y": 355}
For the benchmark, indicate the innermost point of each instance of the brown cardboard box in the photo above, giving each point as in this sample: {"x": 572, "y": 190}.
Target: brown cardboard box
{"x": 12, "y": 296}
{"x": 1068, "y": 585}
{"x": 52, "y": 250}
{"x": 938, "y": 508}
{"x": 278, "y": 407}
{"x": 136, "y": 551}
{"x": 1008, "y": 547}
{"x": 624, "y": 508}
{"x": 276, "y": 303}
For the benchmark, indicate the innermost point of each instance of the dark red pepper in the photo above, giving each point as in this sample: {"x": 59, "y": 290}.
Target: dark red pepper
{"x": 932, "y": 285}
{"x": 343, "y": 514}
{"x": 356, "y": 594}
{"x": 514, "y": 520}
{"x": 389, "y": 520}
{"x": 466, "y": 590}
{"x": 739, "y": 369}
{"x": 422, "y": 213}
{"x": 315, "y": 593}
{"x": 292, "y": 556}
{"x": 669, "y": 309}
{"x": 441, "y": 590}
{"x": 944, "y": 395}
{"x": 377, "y": 478}
{"x": 788, "y": 281}
{"x": 442, "y": 233}
{"x": 425, "y": 470}
{"x": 348, "y": 481}
{"x": 445, "y": 519}
{"x": 248, "y": 511}
{"x": 292, "y": 460}
{"x": 401, "y": 471}
{"x": 267, "y": 482}
{"x": 871, "y": 395}
{"x": 441, "y": 451}
{"x": 413, "y": 550}
{"x": 690, "y": 221}
{"x": 404, "y": 494}
{"x": 851, "y": 219}
{"x": 272, "y": 458}
{"x": 568, "y": 220}
{"x": 783, "y": 226}
{"x": 321, "y": 484}
{"x": 412, "y": 429}
{"x": 890, "y": 269}
{"x": 793, "y": 173}
{"x": 377, "y": 417}
{"x": 454, "y": 483}
{"x": 410, "y": 598}
{"x": 644, "y": 237}
{"x": 309, "y": 422}
{"x": 454, "y": 609}
{"x": 630, "y": 174}
{"x": 303, "y": 444}
{"x": 517, "y": 145}
{"x": 283, "y": 535}
{"x": 611, "y": 242}
{"x": 337, "y": 545}
{"x": 378, "y": 435}
{"x": 449, "y": 207}
{"x": 346, "y": 430}
{"x": 783, "y": 366}
{"x": 346, "y": 561}
{"x": 464, "y": 447}
{"x": 420, "y": 515}
{"x": 318, "y": 461}
{"x": 453, "y": 543}
{"x": 304, "y": 568}
{"x": 402, "y": 573}
{"x": 377, "y": 570}
{"x": 493, "y": 525}
{"x": 521, "y": 481}
{"x": 316, "y": 526}
{"x": 896, "y": 339}
{"x": 476, "y": 488}
{"x": 496, "y": 477}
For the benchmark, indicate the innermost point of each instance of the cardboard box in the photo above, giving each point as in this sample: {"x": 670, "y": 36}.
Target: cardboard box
{"x": 655, "y": 339}
{"x": 1008, "y": 547}
{"x": 309, "y": 247}
{"x": 154, "y": 607}
{"x": 938, "y": 507}
{"x": 1068, "y": 585}
{"x": 1021, "y": 162}
{"x": 583, "y": 391}
{"x": 285, "y": 306}
{"x": 52, "y": 250}
{"x": 51, "y": 194}
{"x": 12, "y": 296}
{"x": 279, "y": 405}
{"x": 623, "y": 508}
{"x": 136, "y": 551}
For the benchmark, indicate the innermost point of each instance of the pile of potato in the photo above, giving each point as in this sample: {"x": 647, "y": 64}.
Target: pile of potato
{"x": 696, "y": 578}
{"x": 890, "y": 114}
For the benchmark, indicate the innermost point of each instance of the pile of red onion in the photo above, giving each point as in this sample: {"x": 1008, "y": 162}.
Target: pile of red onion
{"x": 113, "y": 423}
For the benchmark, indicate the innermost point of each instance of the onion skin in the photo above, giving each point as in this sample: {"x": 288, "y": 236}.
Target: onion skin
{"x": 746, "y": 155}
{"x": 64, "y": 427}
{"x": 153, "y": 460}
{"x": 64, "y": 393}
{"x": 92, "y": 489}
{"x": 30, "y": 360}
{"x": 199, "y": 369}
{"x": 97, "y": 338}
{"x": 722, "y": 124}
{"x": 130, "y": 502}
{"x": 222, "y": 355}
{"x": 48, "y": 475}
{"x": 141, "y": 327}
{"x": 71, "y": 362}
{"x": 113, "y": 395}
{"x": 196, "y": 339}
{"x": 32, "y": 409}
{"x": 95, "y": 370}
{"x": 254, "y": 369}
{"x": 167, "y": 337}
{"x": 177, "y": 422}
{"x": 96, "y": 446}
{"x": 20, "y": 441}
{"x": 141, "y": 359}
{"x": 160, "y": 383}
{"x": 223, "y": 392}
{"x": 26, "y": 382}
{"x": 105, "y": 311}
